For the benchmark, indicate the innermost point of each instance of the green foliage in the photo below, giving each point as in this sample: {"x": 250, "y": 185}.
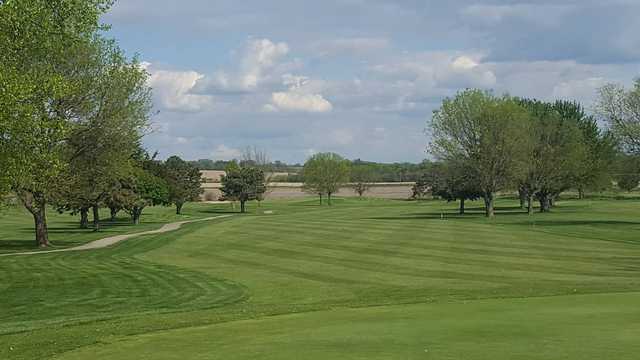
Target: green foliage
{"x": 243, "y": 184}
{"x": 487, "y": 135}
{"x": 184, "y": 181}
{"x": 143, "y": 189}
{"x": 559, "y": 152}
{"x": 593, "y": 171}
{"x": 627, "y": 172}
{"x": 325, "y": 173}
{"x": 47, "y": 54}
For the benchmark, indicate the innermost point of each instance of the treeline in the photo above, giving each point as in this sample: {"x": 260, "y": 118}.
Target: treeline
{"x": 487, "y": 144}
{"x": 74, "y": 110}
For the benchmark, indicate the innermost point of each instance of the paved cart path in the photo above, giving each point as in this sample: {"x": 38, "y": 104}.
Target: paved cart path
{"x": 112, "y": 240}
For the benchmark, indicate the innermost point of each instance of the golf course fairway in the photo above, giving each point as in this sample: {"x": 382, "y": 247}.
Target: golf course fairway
{"x": 362, "y": 279}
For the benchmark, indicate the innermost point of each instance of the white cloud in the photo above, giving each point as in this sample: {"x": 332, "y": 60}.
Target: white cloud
{"x": 261, "y": 63}
{"x": 302, "y": 96}
{"x": 172, "y": 90}
{"x": 295, "y": 101}
{"x": 222, "y": 152}
{"x": 261, "y": 55}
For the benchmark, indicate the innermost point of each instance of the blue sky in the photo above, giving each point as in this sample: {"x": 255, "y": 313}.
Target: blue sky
{"x": 358, "y": 77}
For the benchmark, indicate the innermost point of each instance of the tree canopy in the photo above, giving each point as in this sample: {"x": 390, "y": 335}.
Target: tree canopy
{"x": 243, "y": 184}
{"x": 487, "y": 135}
{"x": 324, "y": 174}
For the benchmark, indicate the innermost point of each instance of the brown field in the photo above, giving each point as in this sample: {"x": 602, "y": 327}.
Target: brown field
{"x": 294, "y": 190}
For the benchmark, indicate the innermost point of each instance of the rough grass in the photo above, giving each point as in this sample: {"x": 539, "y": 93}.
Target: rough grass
{"x": 365, "y": 279}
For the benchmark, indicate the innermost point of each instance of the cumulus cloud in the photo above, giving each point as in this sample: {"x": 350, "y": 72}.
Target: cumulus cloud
{"x": 375, "y": 69}
{"x": 261, "y": 63}
{"x": 172, "y": 90}
{"x": 295, "y": 101}
{"x": 302, "y": 96}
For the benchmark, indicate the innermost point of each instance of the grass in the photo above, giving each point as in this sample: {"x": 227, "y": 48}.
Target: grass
{"x": 364, "y": 279}
{"x": 17, "y": 229}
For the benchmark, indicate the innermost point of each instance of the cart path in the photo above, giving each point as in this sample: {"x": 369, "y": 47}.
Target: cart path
{"x": 112, "y": 240}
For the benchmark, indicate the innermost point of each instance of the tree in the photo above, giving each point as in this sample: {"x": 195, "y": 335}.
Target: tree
{"x": 593, "y": 172}
{"x": 557, "y": 156}
{"x": 452, "y": 182}
{"x": 620, "y": 108}
{"x": 421, "y": 187}
{"x": 243, "y": 184}
{"x": 259, "y": 158}
{"x": 184, "y": 180}
{"x": 361, "y": 178}
{"x": 487, "y": 135}
{"x": 628, "y": 172}
{"x": 325, "y": 173}
{"x": 43, "y": 90}
{"x": 105, "y": 137}
{"x": 143, "y": 189}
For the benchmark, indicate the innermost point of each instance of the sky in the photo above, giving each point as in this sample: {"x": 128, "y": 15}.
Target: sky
{"x": 358, "y": 77}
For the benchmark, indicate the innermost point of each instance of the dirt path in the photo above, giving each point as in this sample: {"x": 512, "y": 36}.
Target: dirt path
{"x": 108, "y": 241}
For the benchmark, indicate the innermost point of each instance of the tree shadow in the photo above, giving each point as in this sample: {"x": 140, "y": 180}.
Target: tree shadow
{"x": 578, "y": 222}
{"x": 220, "y": 211}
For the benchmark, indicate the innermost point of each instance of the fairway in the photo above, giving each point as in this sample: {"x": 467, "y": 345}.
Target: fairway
{"x": 363, "y": 279}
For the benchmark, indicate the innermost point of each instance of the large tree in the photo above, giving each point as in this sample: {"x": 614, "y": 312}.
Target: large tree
{"x": 325, "y": 174}
{"x": 43, "y": 91}
{"x": 558, "y": 154}
{"x": 593, "y": 172}
{"x": 621, "y": 109}
{"x": 185, "y": 181}
{"x": 451, "y": 181}
{"x": 107, "y": 134}
{"x": 487, "y": 134}
{"x": 243, "y": 184}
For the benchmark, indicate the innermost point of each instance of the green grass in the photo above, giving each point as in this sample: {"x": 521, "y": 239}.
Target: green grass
{"x": 17, "y": 228}
{"x": 367, "y": 279}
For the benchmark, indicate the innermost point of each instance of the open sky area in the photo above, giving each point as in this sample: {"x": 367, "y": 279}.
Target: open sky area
{"x": 358, "y": 77}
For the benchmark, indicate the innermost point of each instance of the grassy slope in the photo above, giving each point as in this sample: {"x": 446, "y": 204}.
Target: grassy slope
{"x": 372, "y": 255}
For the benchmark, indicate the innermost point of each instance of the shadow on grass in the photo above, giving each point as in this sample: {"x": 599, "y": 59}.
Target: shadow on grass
{"x": 578, "y": 222}
{"x": 220, "y": 211}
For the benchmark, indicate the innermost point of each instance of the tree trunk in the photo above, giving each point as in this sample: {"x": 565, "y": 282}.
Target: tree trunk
{"x": 96, "y": 218}
{"x": 84, "y": 218}
{"x": 179, "y": 208}
{"x": 552, "y": 201}
{"x": 581, "y": 193}
{"x": 522, "y": 193}
{"x": 329, "y": 199}
{"x": 42, "y": 233}
{"x": 488, "y": 205}
{"x": 462, "y": 206}
{"x": 320, "y": 198}
{"x": 114, "y": 213}
{"x": 242, "y": 209}
{"x": 530, "y": 204}
{"x": 36, "y": 204}
{"x": 545, "y": 204}
{"x": 135, "y": 215}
